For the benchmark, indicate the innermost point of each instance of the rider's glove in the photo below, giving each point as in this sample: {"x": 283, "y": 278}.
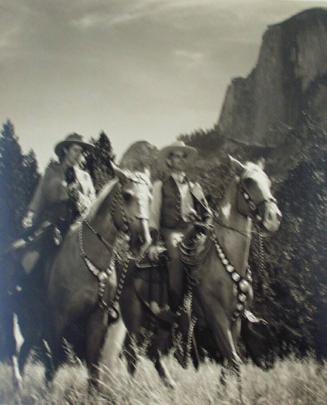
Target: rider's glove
{"x": 28, "y": 219}
{"x": 73, "y": 191}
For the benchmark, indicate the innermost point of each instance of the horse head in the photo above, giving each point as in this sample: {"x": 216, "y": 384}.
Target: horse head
{"x": 131, "y": 208}
{"x": 254, "y": 197}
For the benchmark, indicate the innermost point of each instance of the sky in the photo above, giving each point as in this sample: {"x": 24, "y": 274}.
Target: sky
{"x": 137, "y": 69}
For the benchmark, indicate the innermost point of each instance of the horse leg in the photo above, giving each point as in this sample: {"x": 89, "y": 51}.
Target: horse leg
{"x": 52, "y": 349}
{"x": 130, "y": 355}
{"x": 223, "y": 336}
{"x": 114, "y": 343}
{"x": 23, "y": 355}
{"x": 8, "y": 322}
{"x": 236, "y": 332}
{"x": 96, "y": 333}
{"x": 161, "y": 369}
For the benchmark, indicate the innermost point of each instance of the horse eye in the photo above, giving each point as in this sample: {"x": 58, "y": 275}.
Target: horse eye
{"x": 248, "y": 182}
{"x": 127, "y": 195}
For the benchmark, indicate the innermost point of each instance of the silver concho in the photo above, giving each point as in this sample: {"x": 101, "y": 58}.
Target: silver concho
{"x": 244, "y": 286}
{"x": 240, "y": 307}
{"x": 229, "y": 268}
{"x": 242, "y": 297}
{"x": 252, "y": 205}
{"x": 103, "y": 276}
{"x": 225, "y": 261}
{"x": 221, "y": 256}
{"x": 236, "y": 276}
{"x": 235, "y": 290}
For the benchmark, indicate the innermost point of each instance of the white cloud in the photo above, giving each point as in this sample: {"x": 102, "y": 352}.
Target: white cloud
{"x": 189, "y": 58}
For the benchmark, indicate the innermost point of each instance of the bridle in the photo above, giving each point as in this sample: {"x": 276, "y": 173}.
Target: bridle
{"x": 254, "y": 208}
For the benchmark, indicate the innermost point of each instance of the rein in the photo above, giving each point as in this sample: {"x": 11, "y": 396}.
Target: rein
{"x": 219, "y": 222}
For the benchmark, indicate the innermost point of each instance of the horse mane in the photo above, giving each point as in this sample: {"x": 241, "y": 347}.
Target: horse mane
{"x": 101, "y": 197}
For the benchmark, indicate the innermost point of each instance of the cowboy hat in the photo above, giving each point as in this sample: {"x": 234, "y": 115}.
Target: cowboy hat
{"x": 189, "y": 151}
{"x": 71, "y": 139}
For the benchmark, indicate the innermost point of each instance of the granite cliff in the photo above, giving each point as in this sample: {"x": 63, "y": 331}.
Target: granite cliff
{"x": 289, "y": 79}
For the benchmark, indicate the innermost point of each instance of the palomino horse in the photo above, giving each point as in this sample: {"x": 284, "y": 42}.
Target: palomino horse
{"x": 222, "y": 287}
{"x": 82, "y": 283}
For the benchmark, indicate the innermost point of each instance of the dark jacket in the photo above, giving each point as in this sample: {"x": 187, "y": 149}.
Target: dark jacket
{"x": 170, "y": 215}
{"x": 52, "y": 200}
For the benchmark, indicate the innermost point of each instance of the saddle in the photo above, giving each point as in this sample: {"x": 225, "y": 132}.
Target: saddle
{"x": 151, "y": 280}
{"x": 34, "y": 242}
{"x": 151, "y": 285}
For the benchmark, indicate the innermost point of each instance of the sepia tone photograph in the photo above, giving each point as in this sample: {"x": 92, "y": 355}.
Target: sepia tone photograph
{"x": 163, "y": 202}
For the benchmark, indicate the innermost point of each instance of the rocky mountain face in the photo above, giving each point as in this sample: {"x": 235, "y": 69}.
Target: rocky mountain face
{"x": 289, "y": 79}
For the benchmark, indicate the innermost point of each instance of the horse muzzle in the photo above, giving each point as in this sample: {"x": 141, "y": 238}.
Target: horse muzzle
{"x": 271, "y": 217}
{"x": 140, "y": 242}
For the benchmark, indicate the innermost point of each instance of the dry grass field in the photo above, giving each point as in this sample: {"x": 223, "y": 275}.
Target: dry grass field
{"x": 289, "y": 382}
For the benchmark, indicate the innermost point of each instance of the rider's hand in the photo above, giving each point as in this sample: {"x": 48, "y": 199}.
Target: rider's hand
{"x": 73, "y": 190}
{"x": 193, "y": 216}
{"x": 154, "y": 252}
{"x": 28, "y": 220}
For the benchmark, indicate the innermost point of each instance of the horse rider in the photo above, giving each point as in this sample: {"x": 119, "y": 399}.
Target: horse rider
{"x": 63, "y": 194}
{"x": 176, "y": 205}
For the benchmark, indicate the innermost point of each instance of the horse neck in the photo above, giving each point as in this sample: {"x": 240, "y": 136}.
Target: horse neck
{"x": 102, "y": 222}
{"x": 234, "y": 234}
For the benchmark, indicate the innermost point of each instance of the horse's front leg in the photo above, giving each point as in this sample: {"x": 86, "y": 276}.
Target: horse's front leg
{"x": 114, "y": 344}
{"x": 226, "y": 335}
{"x": 158, "y": 344}
{"x": 222, "y": 329}
{"x": 130, "y": 354}
{"x": 220, "y": 325}
{"x": 162, "y": 370}
{"x": 95, "y": 337}
{"x": 9, "y": 328}
{"x": 16, "y": 375}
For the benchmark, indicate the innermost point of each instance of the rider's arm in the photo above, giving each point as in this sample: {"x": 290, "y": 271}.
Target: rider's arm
{"x": 36, "y": 201}
{"x": 35, "y": 206}
{"x": 203, "y": 206}
{"x": 155, "y": 209}
{"x": 87, "y": 197}
{"x": 55, "y": 187}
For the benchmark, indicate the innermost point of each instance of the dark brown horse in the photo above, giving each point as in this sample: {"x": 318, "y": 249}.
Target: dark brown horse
{"x": 223, "y": 289}
{"x": 81, "y": 284}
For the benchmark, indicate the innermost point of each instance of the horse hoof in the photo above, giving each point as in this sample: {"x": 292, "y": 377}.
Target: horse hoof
{"x": 170, "y": 384}
{"x": 18, "y": 384}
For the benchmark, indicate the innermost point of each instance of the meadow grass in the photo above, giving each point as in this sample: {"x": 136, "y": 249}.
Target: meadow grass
{"x": 291, "y": 381}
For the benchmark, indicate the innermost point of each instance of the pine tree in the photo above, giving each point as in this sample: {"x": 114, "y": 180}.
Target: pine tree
{"x": 18, "y": 178}
{"x": 98, "y": 161}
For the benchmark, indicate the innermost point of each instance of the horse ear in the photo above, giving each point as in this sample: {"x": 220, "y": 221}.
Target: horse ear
{"x": 119, "y": 173}
{"x": 261, "y": 163}
{"x": 236, "y": 164}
